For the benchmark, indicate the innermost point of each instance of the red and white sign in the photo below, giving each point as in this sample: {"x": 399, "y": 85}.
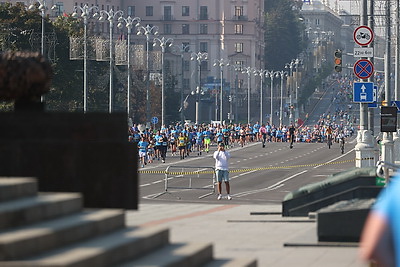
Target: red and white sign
{"x": 363, "y": 35}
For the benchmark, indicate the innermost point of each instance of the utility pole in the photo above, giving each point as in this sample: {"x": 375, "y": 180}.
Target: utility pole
{"x": 365, "y": 154}
{"x": 387, "y": 141}
{"x": 396, "y": 139}
{"x": 371, "y": 113}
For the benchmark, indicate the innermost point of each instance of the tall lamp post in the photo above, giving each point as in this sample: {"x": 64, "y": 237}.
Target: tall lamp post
{"x": 221, "y": 63}
{"x": 290, "y": 67}
{"x": 42, "y": 7}
{"x": 129, "y": 24}
{"x": 262, "y": 73}
{"x": 281, "y": 74}
{"x": 248, "y": 71}
{"x": 182, "y": 49}
{"x": 85, "y": 10}
{"x": 199, "y": 57}
{"x": 148, "y": 31}
{"x": 110, "y": 16}
{"x": 163, "y": 42}
{"x": 237, "y": 68}
{"x": 271, "y": 74}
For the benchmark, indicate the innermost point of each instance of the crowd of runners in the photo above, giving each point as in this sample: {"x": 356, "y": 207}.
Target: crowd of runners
{"x": 185, "y": 141}
{"x": 194, "y": 140}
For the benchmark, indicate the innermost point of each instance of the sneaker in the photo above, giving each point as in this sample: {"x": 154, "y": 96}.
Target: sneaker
{"x": 229, "y": 197}
{"x": 219, "y": 197}
{"x": 142, "y": 166}
{"x": 163, "y": 161}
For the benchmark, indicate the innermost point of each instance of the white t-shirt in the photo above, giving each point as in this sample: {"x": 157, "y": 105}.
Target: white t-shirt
{"x": 221, "y": 160}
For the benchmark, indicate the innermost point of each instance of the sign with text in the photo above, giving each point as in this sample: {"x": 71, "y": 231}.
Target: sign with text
{"x": 363, "y": 52}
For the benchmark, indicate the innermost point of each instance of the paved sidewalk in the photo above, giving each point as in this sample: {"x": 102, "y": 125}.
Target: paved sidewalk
{"x": 243, "y": 231}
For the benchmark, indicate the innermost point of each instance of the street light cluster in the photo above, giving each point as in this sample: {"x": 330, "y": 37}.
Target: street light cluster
{"x": 130, "y": 23}
{"x": 199, "y": 57}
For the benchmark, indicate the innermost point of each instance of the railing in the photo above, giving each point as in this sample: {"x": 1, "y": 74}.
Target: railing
{"x": 189, "y": 178}
{"x": 241, "y": 18}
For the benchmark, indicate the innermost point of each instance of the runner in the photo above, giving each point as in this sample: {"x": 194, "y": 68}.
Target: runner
{"x": 142, "y": 146}
{"x": 292, "y": 131}
{"x": 182, "y": 145}
{"x": 263, "y": 134}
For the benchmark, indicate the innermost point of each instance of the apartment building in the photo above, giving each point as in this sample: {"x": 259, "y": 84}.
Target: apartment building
{"x": 224, "y": 29}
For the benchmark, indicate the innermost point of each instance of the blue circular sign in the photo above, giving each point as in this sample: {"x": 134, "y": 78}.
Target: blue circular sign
{"x": 363, "y": 69}
{"x": 154, "y": 120}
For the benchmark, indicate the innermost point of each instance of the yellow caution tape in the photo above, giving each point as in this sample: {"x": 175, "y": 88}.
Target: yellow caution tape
{"x": 247, "y": 170}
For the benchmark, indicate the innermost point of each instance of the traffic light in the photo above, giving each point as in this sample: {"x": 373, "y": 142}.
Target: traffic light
{"x": 338, "y": 60}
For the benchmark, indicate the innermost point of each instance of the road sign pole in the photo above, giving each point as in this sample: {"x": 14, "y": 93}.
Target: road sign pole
{"x": 363, "y": 36}
{"x": 387, "y": 140}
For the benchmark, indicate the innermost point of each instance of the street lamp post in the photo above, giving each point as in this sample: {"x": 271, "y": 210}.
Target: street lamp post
{"x": 42, "y": 7}
{"x": 262, "y": 74}
{"x": 237, "y": 68}
{"x": 271, "y": 75}
{"x": 290, "y": 67}
{"x": 147, "y": 31}
{"x": 163, "y": 42}
{"x": 199, "y": 57}
{"x": 182, "y": 49}
{"x": 248, "y": 71}
{"x": 110, "y": 16}
{"x": 221, "y": 63}
{"x": 129, "y": 23}
{"x": 85, "y": 10}
{"x": 282, "y": 75}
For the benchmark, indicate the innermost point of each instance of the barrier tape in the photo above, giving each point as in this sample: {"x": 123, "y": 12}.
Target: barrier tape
{"x": 250, "y": 169}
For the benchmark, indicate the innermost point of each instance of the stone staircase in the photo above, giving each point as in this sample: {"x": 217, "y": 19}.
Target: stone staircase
{"x": 53, "y": 229}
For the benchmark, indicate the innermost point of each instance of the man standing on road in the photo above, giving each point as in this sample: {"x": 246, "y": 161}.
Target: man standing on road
{"x": 292, "y": 130}
{"x": 221, "y": 157}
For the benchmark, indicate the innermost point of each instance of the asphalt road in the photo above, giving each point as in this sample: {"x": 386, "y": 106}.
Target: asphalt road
{"x": 258, "y": 175}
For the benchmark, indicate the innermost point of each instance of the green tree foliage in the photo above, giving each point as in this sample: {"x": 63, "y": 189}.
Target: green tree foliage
{"x": 283, "y": 33}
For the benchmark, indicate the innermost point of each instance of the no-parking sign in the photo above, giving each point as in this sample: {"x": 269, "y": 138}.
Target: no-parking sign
{"x": 363, "y": 69}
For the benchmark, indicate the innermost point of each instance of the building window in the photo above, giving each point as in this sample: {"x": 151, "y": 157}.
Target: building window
{"x": 131, "y": 11}
{"x": 185, "y": 11}
{"x": 239, "y": 47}
{"x": 149, "y": 11}
{"x": 167, "y": 13}
{"x": 186, "y": 65}
{"x": 186, "y": 46}
{"x": 186, "y": 84}
{"x": 240, "y": 64}
{"x": 203, "y": 13}
{"x": 185, "y": 29}
{"x": 167, "y": 29}
{"x": 203, "y": 29}
{"x": 238, "y": 28}
{"x": 240, "y": 83}
{"x": 203, "y": 47}
{"x": 59, "y": 9}
{"x": 316, "y": 21}
{"x": 239, "y": 11}
{"x": 204, "y": 65}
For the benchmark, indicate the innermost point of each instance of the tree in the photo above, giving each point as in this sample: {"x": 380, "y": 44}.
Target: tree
{"x": 283, "y": 33}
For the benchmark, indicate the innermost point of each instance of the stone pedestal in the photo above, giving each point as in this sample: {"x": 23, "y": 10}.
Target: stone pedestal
{"x": 365, "y": 151}
{"x": 72, "y": 152}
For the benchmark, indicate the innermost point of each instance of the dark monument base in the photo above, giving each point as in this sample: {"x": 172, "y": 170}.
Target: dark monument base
{"x": 343, "y": 221}
{"x": 72, "y": 152}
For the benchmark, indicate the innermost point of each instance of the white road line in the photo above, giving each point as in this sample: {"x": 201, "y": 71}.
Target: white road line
{"x": 271, "y": 187}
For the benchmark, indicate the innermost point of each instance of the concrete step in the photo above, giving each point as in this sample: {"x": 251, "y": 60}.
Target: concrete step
{"x": 175, "y": 255}
{"x": 232, "y": 263}
{"x": 35, "y": 209}
{"x": 108, "y": 250}
{"x": 33, "y": 239}
{"x": 17, "y": 187}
